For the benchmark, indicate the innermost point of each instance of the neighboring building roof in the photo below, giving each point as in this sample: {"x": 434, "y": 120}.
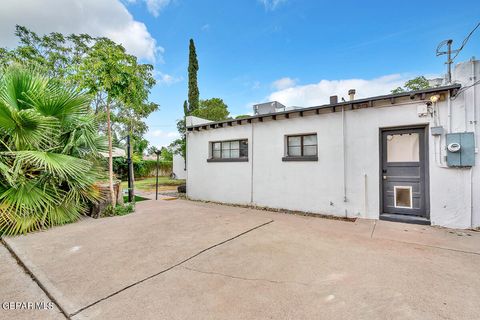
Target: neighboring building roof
{"x": 367, "y": 101}
{"x": 116, "y": 152}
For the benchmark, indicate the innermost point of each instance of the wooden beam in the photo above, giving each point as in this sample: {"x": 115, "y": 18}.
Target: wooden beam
{"x": 370, "y": 103}
{"x": 392, "y": 100}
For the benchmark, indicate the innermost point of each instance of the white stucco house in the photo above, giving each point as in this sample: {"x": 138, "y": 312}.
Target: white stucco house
{"x": 410, "y": 157}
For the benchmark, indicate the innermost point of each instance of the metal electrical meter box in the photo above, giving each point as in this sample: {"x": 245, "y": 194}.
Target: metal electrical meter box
{"x": 460, "y": 149}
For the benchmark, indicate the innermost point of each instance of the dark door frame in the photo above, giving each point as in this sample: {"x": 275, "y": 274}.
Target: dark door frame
{"x": 425, "y": 155}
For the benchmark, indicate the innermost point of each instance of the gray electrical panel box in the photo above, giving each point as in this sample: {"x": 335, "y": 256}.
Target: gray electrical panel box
{"x": 460, "y": 149}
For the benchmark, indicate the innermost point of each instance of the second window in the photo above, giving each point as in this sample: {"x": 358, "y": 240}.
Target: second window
{"x": 302, "y": 145}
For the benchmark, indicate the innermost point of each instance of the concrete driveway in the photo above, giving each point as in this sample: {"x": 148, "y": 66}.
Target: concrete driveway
{"x": 188, "y": 260}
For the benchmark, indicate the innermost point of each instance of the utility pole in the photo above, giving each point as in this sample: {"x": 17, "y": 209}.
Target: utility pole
{"x": 449, "y": 60}
{"x": 131, "y": 196}
{"x": 156, "y": 184}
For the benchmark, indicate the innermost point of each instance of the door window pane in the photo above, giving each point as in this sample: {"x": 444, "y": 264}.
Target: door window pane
{"x": 403, "y": 147}
{"x": 403, "y": 197}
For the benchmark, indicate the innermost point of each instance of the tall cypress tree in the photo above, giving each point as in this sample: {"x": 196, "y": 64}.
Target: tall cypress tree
{"x": 193, "y": 93}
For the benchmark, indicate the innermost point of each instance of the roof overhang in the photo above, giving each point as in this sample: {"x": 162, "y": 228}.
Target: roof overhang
{"x": 367, "y": 101}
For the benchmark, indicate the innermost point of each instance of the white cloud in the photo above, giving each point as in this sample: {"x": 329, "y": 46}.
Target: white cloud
{"x": 166, "y": 79}
{"x": 271, "y": 5}
{"x": 155, "y": 6}
{"x": 164, "y": 134}
{"x": 319, "y": 93}
{"x": 284, "y": 83}
{"x": 109, "y": 18}
{"x": 206, "y": 27}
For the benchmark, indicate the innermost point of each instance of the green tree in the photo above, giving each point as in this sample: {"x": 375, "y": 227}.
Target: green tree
{"x": 61, "y": 56}
{"x": 112, "y": 74}
{"x": 414, "y": 84}
{"x": 193, "y": 92}
{"x": 49, "y": 152}
{"x": 166, "y": 154}
{"x": 213, "y": 109}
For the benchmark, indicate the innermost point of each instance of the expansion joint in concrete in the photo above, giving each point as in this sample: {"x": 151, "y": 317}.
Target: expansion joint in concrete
{"x": 169, "y": 268}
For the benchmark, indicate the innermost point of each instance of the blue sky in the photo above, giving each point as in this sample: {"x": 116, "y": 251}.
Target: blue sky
{"x": 298, "y": 52}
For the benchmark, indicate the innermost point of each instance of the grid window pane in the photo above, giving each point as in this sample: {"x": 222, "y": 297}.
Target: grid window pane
{"x": 234, "y": 144}
{"x": 225, "y": 145}
{"x": 309, "y": 150}
{"x": 216, "y": 146}
{"x": 295, "y": 151}
{"x": 235, "y": 153}
{"x": 243, "y": 148}
{"x": 226, "y": 153}
{"x": 295, "y": 141}
{"x": 216, "y": 154}
{"x": 310, "y": 140}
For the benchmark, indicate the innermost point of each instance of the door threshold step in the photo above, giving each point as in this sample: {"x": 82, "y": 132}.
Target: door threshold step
{"x": 404, "y": 218}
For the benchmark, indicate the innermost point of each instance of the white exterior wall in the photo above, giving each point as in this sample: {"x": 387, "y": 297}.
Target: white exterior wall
{"x": 317, "y": 186}
{"x": 228, "y": 182}
{"x": 179, "y": 168}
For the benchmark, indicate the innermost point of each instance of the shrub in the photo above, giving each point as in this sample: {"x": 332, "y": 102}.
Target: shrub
{"x": 49, "y": 152}
{"x": 119, "y": 210}
{"x": 141, "y": 168}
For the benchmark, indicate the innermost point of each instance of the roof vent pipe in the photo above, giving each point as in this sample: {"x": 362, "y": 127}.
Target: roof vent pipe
{"x": 333, "y": 99}
{"x": 351, "y": 93}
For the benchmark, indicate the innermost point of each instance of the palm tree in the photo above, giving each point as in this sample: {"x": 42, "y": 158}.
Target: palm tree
{"x": 49, "y": 151}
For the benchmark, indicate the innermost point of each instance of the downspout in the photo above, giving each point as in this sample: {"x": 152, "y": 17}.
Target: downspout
{"x": 344, "y": 157}
{"x": 251, "y": 168}
{"x": 474, "y": 122}
{"x": 449, "y": 104}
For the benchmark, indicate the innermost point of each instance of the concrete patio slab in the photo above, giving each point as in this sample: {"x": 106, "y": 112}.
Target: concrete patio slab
{"x": 18, "y": 287}
{"x": 303, "y": 268}
{"x": 83, "y": 262}
{"x": 295, "y": 267}
{"x": 461, "y": 240}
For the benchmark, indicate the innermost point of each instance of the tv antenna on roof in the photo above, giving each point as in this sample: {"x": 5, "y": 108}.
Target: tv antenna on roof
{"x": 441, "y": 51}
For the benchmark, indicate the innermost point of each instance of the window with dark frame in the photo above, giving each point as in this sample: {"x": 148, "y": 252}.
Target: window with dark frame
{"x": 231, "y": 149}
{"x": 302, "y": 146}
